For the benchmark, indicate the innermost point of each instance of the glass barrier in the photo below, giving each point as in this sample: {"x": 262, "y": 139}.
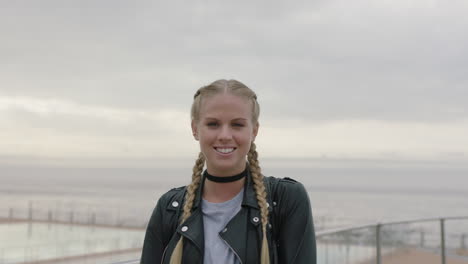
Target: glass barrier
{"x": 30, "y": 242}
{"x": 106, "y": 235}
{"x": 425, "y": 241}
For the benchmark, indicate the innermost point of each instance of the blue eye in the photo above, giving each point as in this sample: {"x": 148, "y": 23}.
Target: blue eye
{"x": 238, "y": 125}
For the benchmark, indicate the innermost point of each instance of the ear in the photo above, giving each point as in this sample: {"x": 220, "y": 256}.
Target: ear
{"x": 255, "y": 130}
{"x": 194, "y": 130}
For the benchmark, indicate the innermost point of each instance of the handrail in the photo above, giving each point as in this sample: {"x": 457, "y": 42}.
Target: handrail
{"x": 377, "y": 225}
{"x": 346, "y": 229}
{"x": 133, "y": 261}
{"x": 378, "y": 233}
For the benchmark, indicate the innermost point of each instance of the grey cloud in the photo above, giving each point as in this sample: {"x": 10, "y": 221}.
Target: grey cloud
{"x": 136, "y": 126}
{"x": 320, "y": 61}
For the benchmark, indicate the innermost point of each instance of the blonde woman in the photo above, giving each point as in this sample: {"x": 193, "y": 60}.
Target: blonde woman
{"x": 230, "y": 213}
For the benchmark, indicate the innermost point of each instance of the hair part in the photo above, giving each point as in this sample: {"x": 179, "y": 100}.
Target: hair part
{"x": 233, "y": 87}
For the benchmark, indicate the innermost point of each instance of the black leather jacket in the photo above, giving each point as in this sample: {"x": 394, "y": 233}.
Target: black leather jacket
{"x": 290, "y": 234}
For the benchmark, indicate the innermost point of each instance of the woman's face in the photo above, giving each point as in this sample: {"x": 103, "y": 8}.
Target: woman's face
{"x": 225, "y": 131}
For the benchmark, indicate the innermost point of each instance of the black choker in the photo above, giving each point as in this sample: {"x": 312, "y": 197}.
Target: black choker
{"x": 225, "y": 179}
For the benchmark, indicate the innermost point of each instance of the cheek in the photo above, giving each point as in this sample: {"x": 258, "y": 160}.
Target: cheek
{"x": 206, "y": 135}
{"x": 244, "y": 137}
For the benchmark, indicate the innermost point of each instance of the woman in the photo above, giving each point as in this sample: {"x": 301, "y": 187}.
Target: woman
{"x": 230, "y": 213}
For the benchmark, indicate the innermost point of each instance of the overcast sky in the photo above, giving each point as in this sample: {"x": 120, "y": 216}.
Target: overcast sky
{"x": 97, "y": 82}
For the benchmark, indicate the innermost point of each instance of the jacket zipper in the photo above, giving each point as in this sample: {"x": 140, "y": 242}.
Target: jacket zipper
{"x": 164, "y": 253}
{"x": 235, "y": 253}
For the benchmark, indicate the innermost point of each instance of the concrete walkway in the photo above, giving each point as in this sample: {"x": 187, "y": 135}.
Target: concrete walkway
{"x": 417, "y": 256}
{"x": 98, "y": 258}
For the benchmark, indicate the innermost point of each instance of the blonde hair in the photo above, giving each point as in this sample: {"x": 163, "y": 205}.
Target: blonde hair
{"x": 224, "y": 86}
{"x": 236, "y": 88}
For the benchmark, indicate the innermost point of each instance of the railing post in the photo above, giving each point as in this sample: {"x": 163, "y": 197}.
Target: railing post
{"x": 71, "y": 217}
{"x": 377, "y": 244}
{"x": 30, "y": 211}
{"x": 49, "y": 219}
{"x": 462, "y": 241}
{"x": 421, "y": 239}
{"x": 442, "y": 239}
{"x": 93, "y": 218}
{"x": 326, "y": 252}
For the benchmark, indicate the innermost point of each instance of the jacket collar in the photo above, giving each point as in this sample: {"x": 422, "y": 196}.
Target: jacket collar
{"x": 250, "y": 198}
{"x": 194, "y": 230}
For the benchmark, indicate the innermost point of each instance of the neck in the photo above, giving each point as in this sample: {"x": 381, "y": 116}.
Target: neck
{"x": 225, "y": 179}
{"x": 217, "y": 192}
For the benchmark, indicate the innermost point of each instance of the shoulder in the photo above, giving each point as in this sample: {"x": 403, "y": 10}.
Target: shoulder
{"x": 172, "y": 198}
{"x": 172, "y": 192}
{"x": 163, "y": 220}
{"x": 282, "y": 180}
{"x": 287, "y": 193}
{"x": 284, "y": 185}
{"x": 167, "y": 206}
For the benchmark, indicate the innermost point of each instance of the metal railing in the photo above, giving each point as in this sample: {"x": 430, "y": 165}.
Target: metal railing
{"x": 391, "y": 242}
{"x": 46, "y": 231}
{"x": 65, "y": 242}
{"x": 443, "y": 239}
{"x": 134, "y": 261}
{"x": 76, "y": 213}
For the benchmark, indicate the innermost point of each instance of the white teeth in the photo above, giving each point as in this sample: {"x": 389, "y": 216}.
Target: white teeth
{"x": 225, "y": 150}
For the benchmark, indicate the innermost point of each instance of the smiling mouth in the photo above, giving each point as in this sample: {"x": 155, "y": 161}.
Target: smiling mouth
{"x": 225, "y": 150}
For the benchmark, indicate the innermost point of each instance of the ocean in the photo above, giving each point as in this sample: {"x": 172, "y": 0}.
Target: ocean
{"x": 340, "y": 196}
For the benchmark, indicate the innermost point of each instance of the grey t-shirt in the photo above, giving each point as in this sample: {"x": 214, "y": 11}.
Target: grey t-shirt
{"x": 215, "y": 218}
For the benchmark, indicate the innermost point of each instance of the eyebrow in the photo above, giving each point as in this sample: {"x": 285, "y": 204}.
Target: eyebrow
{"x": 239, "y": 119}
{"x": 235, "y": 119}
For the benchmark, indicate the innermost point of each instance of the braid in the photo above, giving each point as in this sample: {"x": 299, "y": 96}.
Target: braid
{"x": 193, "y": 186}
{"x": 259, "y": 187}
{"x": 176, "y": 257}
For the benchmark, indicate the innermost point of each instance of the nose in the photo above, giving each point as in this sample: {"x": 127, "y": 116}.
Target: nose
{"x": 225, "y": 134}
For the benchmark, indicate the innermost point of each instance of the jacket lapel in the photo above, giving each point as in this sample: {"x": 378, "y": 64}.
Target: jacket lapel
{"x": 193, "y": 231}
{"x": 242, "y": 233}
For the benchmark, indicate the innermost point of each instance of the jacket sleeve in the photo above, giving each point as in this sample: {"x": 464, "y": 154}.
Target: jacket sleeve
{"x": 296, "y": 236}
{"x": 153, "y": 246}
